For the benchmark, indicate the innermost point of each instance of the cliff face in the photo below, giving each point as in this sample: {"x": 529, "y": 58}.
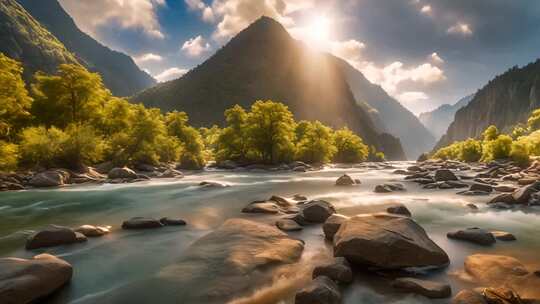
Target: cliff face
{"x": 438, "y": 120}
{"x": 119, "y": 72}
{"x": 23, "y": 38}
{"x": 264, "y": 62}
{"x": 504, "y": 101}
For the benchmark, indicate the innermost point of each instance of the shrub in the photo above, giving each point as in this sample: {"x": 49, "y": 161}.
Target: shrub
{"x": 470, "y": 150}
{"x": 349, "y": 147}
{"x": 9, "y": 154}
{"x": 317, "y": 144}
{"x": 41, "y": 146}
{"x": 498, "y": 148}
{"x": 81, "y": 146}
{"x": 520, "y": 153}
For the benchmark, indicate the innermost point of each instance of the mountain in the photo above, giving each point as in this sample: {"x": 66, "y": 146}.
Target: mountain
{"x": 24, "y": 39}
{"x": 506, "y": 100}
{"x": 398, "y": 121}
{"x": 265, "y": 62}
{"x": 120, "y": 74}
{"x": 438, "y": 120}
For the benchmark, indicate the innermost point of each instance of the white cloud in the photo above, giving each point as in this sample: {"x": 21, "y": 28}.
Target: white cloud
{"x": 196, "y": 46}
{"x": 350, "y": 50}
{"x": 412, "y": 97}
{"x": 426, "y": 9}
{"x": 207, "y": 13}
{"x": 147, "y": 58}
{"x": 170, "y": 74}
{"x": 435, "y": 58}
{"x": 133, "y": 14}
{"x": 460, "y": 28}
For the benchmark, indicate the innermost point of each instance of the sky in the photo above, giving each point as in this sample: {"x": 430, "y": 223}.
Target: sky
{"x": 422, "y": 52}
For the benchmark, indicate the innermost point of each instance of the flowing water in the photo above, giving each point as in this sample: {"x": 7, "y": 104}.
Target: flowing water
{"x": 117, "y": 265}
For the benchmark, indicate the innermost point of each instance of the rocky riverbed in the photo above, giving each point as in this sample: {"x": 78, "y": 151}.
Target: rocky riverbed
{"x": 403, "y": 233}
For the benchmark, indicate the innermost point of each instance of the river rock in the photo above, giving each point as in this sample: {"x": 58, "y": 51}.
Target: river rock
{"x": 422, "y": 181}
{"x": 502, "y": 295}
{"x": 493, "y": 269}
{"x": 473, "y": 193}
{"x": 445, "y": 175}
{"x": 345, "y": 180}
{"x": 387, "y": 241}
{"x": 332, "y": 224}
{"x": 429, "y": 289}
{"x": 92, "y": 231}
{"x": 389, "y": 187}
{"x": 122, "y": 173}
{"x": 265, "y": 207}
{"x": 473, "y": 235}
{"x": 288, "y": 225}
{"x": 171, "y": 173}
{"x": 51, "y": 178}
{"x": 317, "y": 211}
{"x": 211, "y": 185}
{"x": 322, "y": 290}
{"x": 300, "y": 169}
{"x": 523, "y": 194}
{"x": 141, "y": 223}
{"x": 53, "y": 236}
{"x": 166, "y": 221}
{"x": 399, "y": 209}
{"x": 504, "y": 188}
{"x": 237, "y": 254}
{"x": 503, "y": 235}
{"x": 299, "y": 198}
{"x": 468, "y": 296}
{"x": 481, "y": 187}
{"x": 472, "y": 206}
{"x": 338, "y": 270}
{"x": 28, "y": 281}
{"x": 227, "y": 164}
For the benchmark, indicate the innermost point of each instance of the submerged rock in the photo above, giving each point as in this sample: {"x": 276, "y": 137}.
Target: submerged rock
{"x": 300, "y": 198}
{"x": 389, "y": 187}
{"x": 172, "y": 222}
{"x": 473, "y": 235}
{"x": 141, "y": 223}
{"x": 332, "y": 224}
{"x": 345, "y": 180}
{"x": 53, "y": 236}
{"x": 51, "y": 178}
{"x": 28, "y": 281}
{"x": 210, "y": 185}
{"x": 322, "y": 290}
{"x": 338, "y": 270}
{"x": 317, "y": 211}
{"x": 428, "y": 289}
{"x": 92, "y": 231}
{"x": 468, "y": 297}
{"x": 388, "y": 242}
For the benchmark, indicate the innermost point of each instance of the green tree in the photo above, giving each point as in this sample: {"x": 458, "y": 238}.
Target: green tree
{"x": 470, "y": 150}
{"x": 533, "y": 123}
{"x": 74, "y": 95}
{"x": 270, "y": 129}
{"x": 232, "y": 143}
{"x": 193, "y": 145}
{"x": 9, "y": 154}
{"x": 350, "y": 147}
{"x": 14, "y": 99}
{"x": 41, "y": 146}
{"x": 490, "y": 133}
{"x": 317, "y": 144}
{"x": 82, "y": 146}
{"x": 520, "y": 153}
{"x": 498, "y": 148}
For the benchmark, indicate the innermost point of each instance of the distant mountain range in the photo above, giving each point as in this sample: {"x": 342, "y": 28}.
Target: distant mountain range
{"x": 438, "y": 120}
{"x": 506, "y": 100}
{"x": 265, "y": 62}
{"x": 42, "y": 35}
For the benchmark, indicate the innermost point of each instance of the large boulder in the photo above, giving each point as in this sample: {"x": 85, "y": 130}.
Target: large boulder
{"x": 428, "y": 289}
{"x": 338, "y": 270}
{"x": 125, "y": 172}
{"x": 468, "y": 296}
{"x": 317, "y": 211}
{"x": 387, "y": 241}
{"x": 53, "y": 236}
{"x": 345, "y": 180}
{"x": 473, "y": 235}
{"x": 332, "y": 224}
{"x": 28, "y": 281}
{"x": 322, "y": 290}
{"x": 445, "y": 175}
{"x": 51, "y": 178}
{"x": 141, "y": 223}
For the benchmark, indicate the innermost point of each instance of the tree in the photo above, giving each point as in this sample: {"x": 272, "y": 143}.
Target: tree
{"x": 470, "y": 150}
{"x": 232, "y": 143}
{"x": 270, "y": 129}
{"x": 533, "y": 123}
{"x": 349, "y": 147}
{"x": 14, "y": 99}
{"x": 498, "y": 148}
{"x": 519, "y": 130}
{"x": 9, "y": 154}
{"x": 41, "y": 146}
{"x": 490, "y": 133}
{"x": 82, "y": 146}
{"x": 74, "y": 95}
{"x": 520, "y": 153}
{"x": 316, "y": 144}
{"x": 193, "y": 145}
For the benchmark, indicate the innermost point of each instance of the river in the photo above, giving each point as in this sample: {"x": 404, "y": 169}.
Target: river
{"x": 109, "y": 266}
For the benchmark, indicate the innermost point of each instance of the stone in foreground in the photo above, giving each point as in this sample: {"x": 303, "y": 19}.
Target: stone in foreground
{"x": 53, "y": 236}
{"x": 399, "y": 209}
{"x": 387, "y": 241}
{"x": 339, "y": 270}
{"x": 322, "y": 290}
{"x": 332, "y": 224}
{"x": 493, "y": 269}
{"x": 468, "y": 297}
{"x": 502, "y": 295}
{"x": 28, "y": 281}
{"x": 429, "y": 289}
{"x": 443, "y": 175}
{"x": 473, "y": 235}
{"x": 51, "y": 178}
{"x": 141, "y": 223}
{"x": 317, "y": 211}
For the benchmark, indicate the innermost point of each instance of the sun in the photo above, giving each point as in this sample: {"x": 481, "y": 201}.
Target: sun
{"x": 318, "y": 30}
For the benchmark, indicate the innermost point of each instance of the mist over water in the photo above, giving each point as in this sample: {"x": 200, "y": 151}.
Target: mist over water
{"x": 124, "y": 263}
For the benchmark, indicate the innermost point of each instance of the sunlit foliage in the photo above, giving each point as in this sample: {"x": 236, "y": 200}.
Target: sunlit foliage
{"x": 349, "y": 147}
{"x": 8, "y": 156}
{"x": 316, "y": 145}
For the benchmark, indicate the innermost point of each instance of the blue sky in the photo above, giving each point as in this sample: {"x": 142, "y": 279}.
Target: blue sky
{"x": 422, "y": 52}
